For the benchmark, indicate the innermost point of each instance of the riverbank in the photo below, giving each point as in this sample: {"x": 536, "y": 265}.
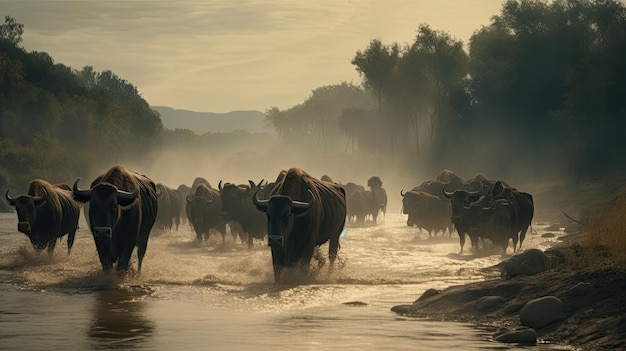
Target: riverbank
{"x": 595, "y": 315}
{"x": 588, "y": 279}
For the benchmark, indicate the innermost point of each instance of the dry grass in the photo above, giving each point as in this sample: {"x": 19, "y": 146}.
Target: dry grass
{"x": 605, "y": 233}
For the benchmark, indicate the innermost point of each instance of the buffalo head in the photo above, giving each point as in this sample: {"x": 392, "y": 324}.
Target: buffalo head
{"x": 280, "y": 210}
{"x": 26, "y": 207}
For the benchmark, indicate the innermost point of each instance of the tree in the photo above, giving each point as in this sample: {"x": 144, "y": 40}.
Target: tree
{"x": 11, "y": 31}
{"x": 316, "y": 119}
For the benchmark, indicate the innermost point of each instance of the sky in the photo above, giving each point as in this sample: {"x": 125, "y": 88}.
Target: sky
{"x": 228, "y": 55}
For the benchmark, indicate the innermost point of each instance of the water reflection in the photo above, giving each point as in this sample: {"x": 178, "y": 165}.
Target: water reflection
{"x": 119, "y": 318}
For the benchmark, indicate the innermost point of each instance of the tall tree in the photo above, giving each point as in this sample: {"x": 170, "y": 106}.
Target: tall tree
{"x": 376, "y": 65}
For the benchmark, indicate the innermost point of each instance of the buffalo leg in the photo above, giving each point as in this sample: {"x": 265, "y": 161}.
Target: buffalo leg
{"x": 51, "y": 244}
{"x": 461, "y": 240}
{"x": 142, "y": 246}
{"x": 522, "y": 236}
{"x": 124, "y": 259}
{"x": 333, "y": 249}
{"x": 70, "y": 240}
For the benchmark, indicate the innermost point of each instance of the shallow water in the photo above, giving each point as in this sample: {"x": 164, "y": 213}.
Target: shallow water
{"x": 222, "y": 296}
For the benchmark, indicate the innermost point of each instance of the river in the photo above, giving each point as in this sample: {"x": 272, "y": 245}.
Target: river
{"x": 222, "y": 296}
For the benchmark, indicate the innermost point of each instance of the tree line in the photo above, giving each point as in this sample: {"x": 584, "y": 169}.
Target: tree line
{"x": 56, "y": 122}
{"x": 541, "y": 89}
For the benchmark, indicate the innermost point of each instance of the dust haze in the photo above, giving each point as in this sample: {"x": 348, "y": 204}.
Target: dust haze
{"x": 240, "y": 157}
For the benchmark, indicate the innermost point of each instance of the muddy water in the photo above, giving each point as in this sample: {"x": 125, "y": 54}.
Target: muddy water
{"x": 222, "y": 296}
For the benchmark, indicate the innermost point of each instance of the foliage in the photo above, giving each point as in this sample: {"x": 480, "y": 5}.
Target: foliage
{"x": 541, "y": 90}
{"x": 11, "y": 31}
{"x": 57, "y": 123}
{"x": 315, "y": 122}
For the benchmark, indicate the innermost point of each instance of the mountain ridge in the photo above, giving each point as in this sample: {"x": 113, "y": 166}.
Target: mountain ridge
{"x": 212, "y": 122}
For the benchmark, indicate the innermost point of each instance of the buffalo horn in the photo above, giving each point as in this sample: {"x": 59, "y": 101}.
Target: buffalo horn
{"x": 447, "y": 193}
{"x": 402, "y": 192}
{"x": 479, "y": 184}
{"x": 219, "y": 185}
{"x": 159, "y": 191}
{"x": 80, "y": 193}
{"x": 257, "y": 202}
{"x": 188, "y": 198}
{"x": 10, "y": 200}
{"x": 127, "y": 196}
{"x": 300, "y": 204}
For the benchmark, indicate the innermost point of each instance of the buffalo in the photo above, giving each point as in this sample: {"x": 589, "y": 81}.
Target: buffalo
{"x": 496, "y": 223}
{"x": 461, "y": 199}
{"x": 521, "y": 205}
{"x": 426, "y": 205}
{"x": 170, "y": 207}
{"x": 356, "y": 210}
{"x": 495, "y": 211}
{"x": 204, "y": 208}
{"x": 123, "y": 207}
{"x": 302, "y": 214}
{"x": 45, "y": 214}
{"x": 237, "y": 207}
{"x": 427, "y": 211}
{"x": 376, "y": 201}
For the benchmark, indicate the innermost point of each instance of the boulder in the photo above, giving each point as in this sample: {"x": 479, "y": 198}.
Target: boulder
{"x": 525, "y": 336}
{"x": 541, "y": 312}
{"x": 529, "y": 262}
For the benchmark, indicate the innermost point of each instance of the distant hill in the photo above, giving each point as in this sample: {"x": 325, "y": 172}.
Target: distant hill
{"x": 203, "y": 122}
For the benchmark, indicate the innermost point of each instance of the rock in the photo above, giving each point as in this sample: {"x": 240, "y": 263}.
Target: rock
{"x": 543, "y": 311}
{"x": 526, "y": 336}
{"x": 529, "y": 262}
{"x": 428, "y": 293}
{"x": 489, "y": 303}
{"x": 548, "y": 235}
{"x": 355, "y": 303}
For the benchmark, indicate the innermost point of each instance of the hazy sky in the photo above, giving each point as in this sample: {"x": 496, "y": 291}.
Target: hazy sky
{"x": 225, "y": 55}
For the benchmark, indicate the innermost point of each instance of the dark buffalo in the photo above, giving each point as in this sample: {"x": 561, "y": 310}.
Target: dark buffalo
{"x": 426, "y": 205}
{"x": 461, "y": 200}
{"x": 123, "y": 207}
{"x": 237, "y": 207}
{"x": 204, "y": 208}
{"x": 183, "y": 190}
{"x": 376, "y": 201}
{"x": 45, "y": 214}
{"x": 355, "y": 203}
{"x": 170, "y": 207}
{"x": 426, "y": 211}
{"x": 356, "y": 209}
{"x": 302, "y": 214}
{"x": 496, "y": 223}
{"x": 522, "y": 207}
{"x": 492, "y": 212}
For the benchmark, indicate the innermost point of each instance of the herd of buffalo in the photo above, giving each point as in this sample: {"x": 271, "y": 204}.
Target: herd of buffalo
{"x": 296, "y": 213}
